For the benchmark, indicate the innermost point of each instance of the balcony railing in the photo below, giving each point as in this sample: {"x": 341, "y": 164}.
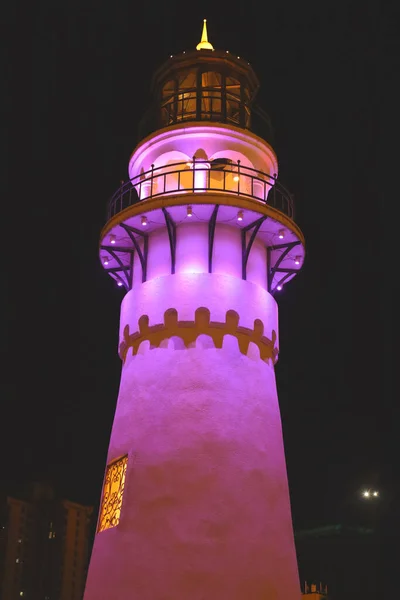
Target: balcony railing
{"x": 199, "y": 176}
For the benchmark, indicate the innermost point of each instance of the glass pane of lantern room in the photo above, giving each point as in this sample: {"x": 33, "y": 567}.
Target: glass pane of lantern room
{"x": 233, "y": 100}
{"x": 168, "y": 103}
{"x": 186, "y": 109}
{"x": 246, "y": 106}
{"x": 211, "y": 95}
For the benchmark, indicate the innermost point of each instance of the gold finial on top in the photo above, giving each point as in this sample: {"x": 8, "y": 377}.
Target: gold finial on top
{"x": 204, "y": 43}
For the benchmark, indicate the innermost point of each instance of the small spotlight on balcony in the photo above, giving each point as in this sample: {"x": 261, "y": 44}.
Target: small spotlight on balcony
{"x": 105, "y": 260}
{"x": 189, "y": 164}
{"x": 366, "y": 494}
{"x": 112, "y": 239}
{"x": 119, "y": 283}
{"x": 281, "y": 234}
{"x": 375, "y": 493}
{"x": 144, "y": 221}
{"x": 236, "y": 178}
{"x": 240, "y": 215}
{"x": 189, "y": 211}
{"x": 279, "y": 287}
{"x": 297, "y": 260}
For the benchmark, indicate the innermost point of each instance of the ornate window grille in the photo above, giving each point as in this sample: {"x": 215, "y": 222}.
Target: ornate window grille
{"x": 113, "y": 491}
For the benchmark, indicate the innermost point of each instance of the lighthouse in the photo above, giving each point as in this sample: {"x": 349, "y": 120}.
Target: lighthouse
{"x": 202, "y": 239}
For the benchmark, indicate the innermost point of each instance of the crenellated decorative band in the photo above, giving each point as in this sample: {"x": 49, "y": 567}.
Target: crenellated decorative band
{"x": 189, "y": 331}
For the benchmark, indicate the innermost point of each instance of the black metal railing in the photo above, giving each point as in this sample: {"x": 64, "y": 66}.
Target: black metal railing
{"x": 199, "y": 176}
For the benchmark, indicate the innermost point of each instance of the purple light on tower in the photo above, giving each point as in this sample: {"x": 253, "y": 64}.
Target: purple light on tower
{"x": 195, "y": 502}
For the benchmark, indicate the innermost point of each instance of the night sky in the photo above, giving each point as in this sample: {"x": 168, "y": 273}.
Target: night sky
{"x": 76, "y": 81}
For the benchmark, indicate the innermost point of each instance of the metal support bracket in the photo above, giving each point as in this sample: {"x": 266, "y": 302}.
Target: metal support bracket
{"x": 171, "y": 227}
{"x": 122, "y": 269}
{"x": 246, "y": 246}
{"x": 141, "y": 254}
{"x": 211, "y": 233}
{"x": 275, "y": 268}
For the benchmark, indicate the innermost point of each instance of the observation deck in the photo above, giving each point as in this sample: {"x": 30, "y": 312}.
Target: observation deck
{"x": 220, "y": 176}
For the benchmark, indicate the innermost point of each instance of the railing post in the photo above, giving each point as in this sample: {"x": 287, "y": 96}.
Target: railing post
{"x": 275, "y": 178}
{"x": 194, "y": 173}
{"x": 120, "y": 194}
{"x": 238, "y": 176}
{"x": 151, "y": 181}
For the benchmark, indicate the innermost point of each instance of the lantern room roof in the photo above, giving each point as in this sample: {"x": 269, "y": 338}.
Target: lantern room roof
{"x": 205, "y": 55}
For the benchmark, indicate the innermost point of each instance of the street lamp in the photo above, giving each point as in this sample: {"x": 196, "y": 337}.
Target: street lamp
{"x": 370, "y": 493}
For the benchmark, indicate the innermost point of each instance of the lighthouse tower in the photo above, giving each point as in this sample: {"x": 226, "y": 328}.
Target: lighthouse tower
{"x": 195, "y": 502}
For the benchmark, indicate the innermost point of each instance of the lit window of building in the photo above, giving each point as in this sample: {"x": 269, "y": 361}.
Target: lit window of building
{"x": 113, "y": 490}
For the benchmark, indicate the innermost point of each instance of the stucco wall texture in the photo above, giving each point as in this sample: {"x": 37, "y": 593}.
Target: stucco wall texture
{"x": 188, "y": 291}
{"x": 206, "y": 512}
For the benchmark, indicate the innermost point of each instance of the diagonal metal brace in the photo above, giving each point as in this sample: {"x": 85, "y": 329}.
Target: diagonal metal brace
{"x": 275, "y": 269}
{"x": 246, "y": 247}
{"x": 171, "y": 227}
{"x": 142, "y": 255}
{"x": 126, "y": 270}
{"x": 211, "y": 233}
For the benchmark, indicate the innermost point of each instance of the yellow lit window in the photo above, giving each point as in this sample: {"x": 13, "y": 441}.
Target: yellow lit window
{"x": 113, "y": 491}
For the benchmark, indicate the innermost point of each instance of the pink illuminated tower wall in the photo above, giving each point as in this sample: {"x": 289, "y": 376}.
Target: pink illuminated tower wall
{"x": 195, "y": 503}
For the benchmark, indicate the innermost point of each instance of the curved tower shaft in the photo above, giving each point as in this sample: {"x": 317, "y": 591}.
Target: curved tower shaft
{"x": 195, "y": 503}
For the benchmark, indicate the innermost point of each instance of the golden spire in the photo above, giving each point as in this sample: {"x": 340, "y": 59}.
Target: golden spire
{"x": 204, "y": 43}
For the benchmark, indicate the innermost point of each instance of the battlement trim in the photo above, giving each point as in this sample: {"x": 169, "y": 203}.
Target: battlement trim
{"x": 189, "y": 331}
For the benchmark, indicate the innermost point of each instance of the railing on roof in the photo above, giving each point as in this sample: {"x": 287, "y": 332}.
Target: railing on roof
{"x": 199, "y": 176}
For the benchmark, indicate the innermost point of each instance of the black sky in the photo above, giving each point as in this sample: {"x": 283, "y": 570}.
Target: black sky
{"x": 75, "y": 83}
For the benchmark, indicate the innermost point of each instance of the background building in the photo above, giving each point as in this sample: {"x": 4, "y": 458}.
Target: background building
{"x": 347, "y": 557}
{"x": 44, "y": 546}
{"x": 315, "y": 591}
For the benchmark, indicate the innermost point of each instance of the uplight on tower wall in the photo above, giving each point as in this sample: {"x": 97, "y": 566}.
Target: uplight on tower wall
{"x": 195, "y": 501}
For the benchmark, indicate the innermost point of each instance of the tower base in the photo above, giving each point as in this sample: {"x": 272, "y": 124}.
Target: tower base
{"x": 206, "y": 511}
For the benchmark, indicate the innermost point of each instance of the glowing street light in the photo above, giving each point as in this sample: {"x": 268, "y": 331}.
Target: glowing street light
{"x": 370, "y": 493}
